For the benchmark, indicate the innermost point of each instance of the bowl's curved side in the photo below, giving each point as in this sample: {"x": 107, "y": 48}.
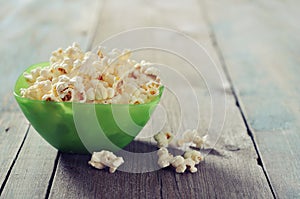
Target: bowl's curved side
{"x": 54, "y": 122}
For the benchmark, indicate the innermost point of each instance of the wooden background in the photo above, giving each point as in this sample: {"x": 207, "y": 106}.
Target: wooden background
{"x": 255, "y": 44}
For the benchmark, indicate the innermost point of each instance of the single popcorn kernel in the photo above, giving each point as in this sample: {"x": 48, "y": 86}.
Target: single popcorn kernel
{"x": 103, "y": 159}
{"x": 179, "y": 163}
{"x": 190, "y": 164}
{"x": 198, "y": 141}
{"x": 164, "y": 157}
{"x": 194, "y": 155}
{"x": 32, "y": 76}
{"x": 192, "y": 137}
{"x": 163, "y": 139}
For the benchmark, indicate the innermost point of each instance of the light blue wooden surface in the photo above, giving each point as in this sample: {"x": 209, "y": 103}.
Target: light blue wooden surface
{"x": 260, "y": 43}
{"x": 257, "y": 43}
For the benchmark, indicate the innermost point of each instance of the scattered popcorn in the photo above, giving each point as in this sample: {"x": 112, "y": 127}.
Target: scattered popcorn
{"x": 93, "y": 77}
{"x": 180, "y": 163}
{"x": 191, "y": 136}
{"x": 189, "y": 160}
{"x": 103, "y": 159}
{"x": 163, "y": 139}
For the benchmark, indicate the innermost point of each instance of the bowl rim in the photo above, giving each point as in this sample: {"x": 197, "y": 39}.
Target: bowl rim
{"x": 44, "y": 64}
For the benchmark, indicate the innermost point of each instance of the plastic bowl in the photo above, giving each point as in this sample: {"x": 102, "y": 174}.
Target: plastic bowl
{"x": 81, "y": 127}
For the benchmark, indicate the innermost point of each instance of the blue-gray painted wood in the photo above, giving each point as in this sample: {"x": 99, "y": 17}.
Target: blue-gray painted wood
{"x": 260, "y": 41}
{"x": 230, "y": 171}
{"x": 30, "y": 31}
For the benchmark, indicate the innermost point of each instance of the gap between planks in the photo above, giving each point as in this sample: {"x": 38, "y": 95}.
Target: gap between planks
{"x": 52, "y": 175}
{"x": 14, "y": 161}
{"x": 90, "y": 40}
{"x": 160, "y": 174}
{"x": 23, "y": 142}
{"x": 226, "y": 72}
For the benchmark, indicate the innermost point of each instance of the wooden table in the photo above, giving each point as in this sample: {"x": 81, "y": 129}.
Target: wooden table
{"x": 255, "y": 44}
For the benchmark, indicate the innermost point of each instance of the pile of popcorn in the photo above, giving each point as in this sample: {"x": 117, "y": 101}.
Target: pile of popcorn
{"x": 93, "y": 77}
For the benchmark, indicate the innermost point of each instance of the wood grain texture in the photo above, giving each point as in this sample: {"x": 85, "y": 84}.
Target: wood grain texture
{"x": 31, "y": 173}
{"x": 11, "y": 137}
{"x": 30, "y": 31}
{"x": 229, "y": 171}
{"x": 259, "y": 41}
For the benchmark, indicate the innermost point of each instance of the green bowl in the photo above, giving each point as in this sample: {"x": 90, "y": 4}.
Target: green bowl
{"x": 84, "y": 128}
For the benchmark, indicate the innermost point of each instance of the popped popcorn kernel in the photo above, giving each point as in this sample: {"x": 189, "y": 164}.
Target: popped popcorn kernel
{"x": 198, "y": 141}
{"x": 190, "y": 164}
{"x": 164, "y": 157}
{"x": 194, "y": 155}
{"x": 103, "y": 159}
{"x": 163, "y": 139}
{"x": 179, "y": 163}
{"x": 152, "y": 71}
{"x": 50, "y": 97}
{"x": 192, "y": 137}
{"x": 32, "y": 75}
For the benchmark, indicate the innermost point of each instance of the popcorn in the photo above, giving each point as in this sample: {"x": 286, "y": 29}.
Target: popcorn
{"x": 198, "y": 141}
{"x": 191, "y": 136}
{"x": 37, "y": 90}
{"x": 50, "y": 97}
{"x": 45, "y": 74}
{"x": 32, "y": 75}
{"x": 190, "y": 164}
{"x": 163, "y": 139}
{"x": 194, "y": 155}
{"x": 164, "y": 157}
{"x": 179, "y": 163}
{"x": 103, "y": 159}
{"x": 152, "y": 71}
{"x": 136, "y": 100}
{"x": 90, "y": 94}
{"x": 93, "y": 77}
{"x": 188, "y": 161}
{"x": 152, "y": 92}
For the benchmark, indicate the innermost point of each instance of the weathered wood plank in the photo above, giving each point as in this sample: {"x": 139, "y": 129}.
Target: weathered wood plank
{"x": 31, "y": 173}
{"x": 231, "y": 171}
{"x": 11, "y": 138}
{"x": 225, "y": 173}
{"x": 29, "y": 32}
{"x": 260, "y": 45}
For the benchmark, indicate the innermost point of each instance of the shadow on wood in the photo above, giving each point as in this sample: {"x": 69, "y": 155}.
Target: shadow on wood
{"x": 75, "y": 178}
